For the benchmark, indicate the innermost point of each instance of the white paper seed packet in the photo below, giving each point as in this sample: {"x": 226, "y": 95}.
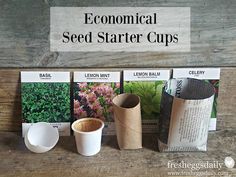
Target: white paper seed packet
{"x": 45, "y": 97}
{"x": 147, "y": 84}
{"x": 93, "y": 93}
{"x": 211, "y": 75}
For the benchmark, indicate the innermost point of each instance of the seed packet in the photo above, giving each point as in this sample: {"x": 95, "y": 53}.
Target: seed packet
{"x": 211, "y": 75}
{"x": 147, "y": 84}
{"x": 45, "y": 97}
{"x": 93, "y": 93}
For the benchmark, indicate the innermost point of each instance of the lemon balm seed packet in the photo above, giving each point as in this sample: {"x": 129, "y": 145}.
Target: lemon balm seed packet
{"x": 147, "y": 84}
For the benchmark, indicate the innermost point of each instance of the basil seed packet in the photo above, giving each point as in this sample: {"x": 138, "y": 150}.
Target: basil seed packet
{"x": 147, "y": 84}
{"x": 211, "y": 75}
{"x": 93, "y": 93}
{"x": 45, "y": 97}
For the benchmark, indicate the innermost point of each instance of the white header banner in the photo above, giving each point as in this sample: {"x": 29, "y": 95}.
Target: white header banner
{"x": 44, "y": 76}
{"x": 197, "y": 73}
{"x": 146, "y": 75}
{"x": 115, "y": 29}
{"x": 96, "y": 76}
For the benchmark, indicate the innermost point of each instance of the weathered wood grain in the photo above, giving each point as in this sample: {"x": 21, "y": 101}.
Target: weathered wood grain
{"x": 10, "y": 105}
{"x": 226, "y": 99}
{"x": 24, "y": 36}
{"x": 17, "y": 161}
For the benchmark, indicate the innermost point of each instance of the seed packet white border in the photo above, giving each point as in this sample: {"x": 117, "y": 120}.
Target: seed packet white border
{"x": 199, "y": 73}
{"x": 63, "y": 128}
{"x": 146, "y": 75}
{"x": 96, "y": 76}
{"x": 44, "y": 76}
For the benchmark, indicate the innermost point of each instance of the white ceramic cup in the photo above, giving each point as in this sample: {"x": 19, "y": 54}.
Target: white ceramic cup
{"x": 88, "y": 135}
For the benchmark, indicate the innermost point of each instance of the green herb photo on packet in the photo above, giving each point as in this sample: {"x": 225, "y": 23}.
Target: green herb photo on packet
{"x": 150, "y": 94}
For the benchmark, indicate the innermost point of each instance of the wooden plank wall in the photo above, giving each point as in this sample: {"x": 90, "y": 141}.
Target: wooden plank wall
{"x": 24, "y": 34}
{"x": 24, "y": 43}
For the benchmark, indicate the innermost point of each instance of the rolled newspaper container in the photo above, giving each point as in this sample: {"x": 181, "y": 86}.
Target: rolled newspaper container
{"x": 127, "y": 114}
{"x": 186, "y": 107}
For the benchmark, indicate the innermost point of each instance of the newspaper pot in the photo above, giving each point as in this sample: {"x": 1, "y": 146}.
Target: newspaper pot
{"x": 186, "y": 107}
{"x": 127, "y": 114}
{"x": 88, "y": 134}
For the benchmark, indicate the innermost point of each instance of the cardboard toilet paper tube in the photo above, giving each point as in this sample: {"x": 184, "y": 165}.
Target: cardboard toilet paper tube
{"x": 186, "y": 107}
{"x": 127, "y": 114}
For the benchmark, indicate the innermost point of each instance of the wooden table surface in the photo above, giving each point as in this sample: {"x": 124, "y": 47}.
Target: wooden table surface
{"x": 63, "y": 160}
